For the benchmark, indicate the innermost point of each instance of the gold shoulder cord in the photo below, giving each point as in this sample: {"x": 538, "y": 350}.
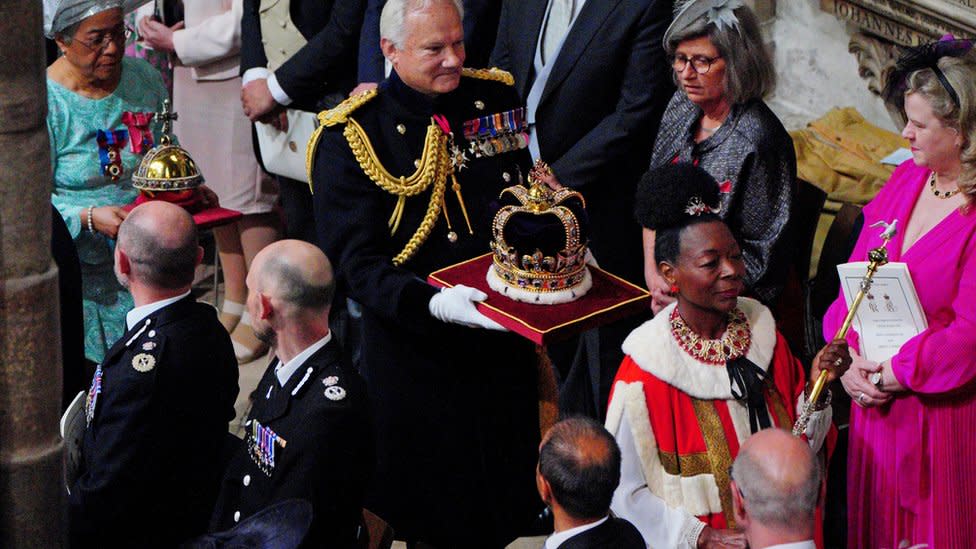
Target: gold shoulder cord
{"x": 331, "y": 117}
{"x": 494, "y": 74}
{"x": 435, "y": 166}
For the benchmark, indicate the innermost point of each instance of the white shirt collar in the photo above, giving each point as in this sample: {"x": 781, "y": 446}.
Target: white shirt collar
{"x": 557, "y": 539}
{"x": 285, "y": 371}
{"x": 808, "y": 544}
{"x": 136, "y": 315}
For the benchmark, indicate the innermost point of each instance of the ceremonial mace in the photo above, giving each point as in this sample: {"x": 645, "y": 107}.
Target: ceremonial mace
{"x": 876, "y": 258}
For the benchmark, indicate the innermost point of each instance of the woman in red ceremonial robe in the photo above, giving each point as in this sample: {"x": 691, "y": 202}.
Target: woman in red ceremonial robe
{"x": 701, "y": 376}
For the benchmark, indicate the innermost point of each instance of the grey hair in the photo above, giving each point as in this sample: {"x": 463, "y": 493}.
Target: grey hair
{"x": 169, "y": 267}
{"x": 293, "y": 287}
{"x": 67, "y": 34}
{"x": 395, "y": 14}
{"x": 961, "y": 73}
{"x": 749, "y": 72}
{"x": 773, "y": 503}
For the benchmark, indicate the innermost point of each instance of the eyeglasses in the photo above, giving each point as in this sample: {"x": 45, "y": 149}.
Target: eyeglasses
{"x": 700, "y": 63}
{"x": 121, "y": 34}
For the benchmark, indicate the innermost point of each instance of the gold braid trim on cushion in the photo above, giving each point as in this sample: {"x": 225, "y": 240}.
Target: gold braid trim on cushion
{"x": 435, "y": 167}
{"x": 328, "y": 118}
{"x": 495, "y": 74}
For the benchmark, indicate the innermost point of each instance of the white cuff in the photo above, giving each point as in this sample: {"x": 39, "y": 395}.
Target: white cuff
{"x": 819, "y": 423}
{"x": 254, "y": 73}
{"x": 691, "y": 530}
{"x": 279, "y": 94}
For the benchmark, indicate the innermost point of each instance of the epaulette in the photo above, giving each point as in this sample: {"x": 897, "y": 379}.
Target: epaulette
{"x": 495, "y": 74}
{"x": 340, "y": 113}
{"x": 331, "y": 117}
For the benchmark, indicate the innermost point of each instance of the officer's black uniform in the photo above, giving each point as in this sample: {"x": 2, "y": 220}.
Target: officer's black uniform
{"x": 308, "y": 439}
{"x": 159, "y": 408}
{"x": 454, "y": 408}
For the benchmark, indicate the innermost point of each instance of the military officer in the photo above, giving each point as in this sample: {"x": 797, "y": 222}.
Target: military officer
{"x": 160, "y": 401}
{"x": 307, "y": 434}
{"x": 403, "y": 177}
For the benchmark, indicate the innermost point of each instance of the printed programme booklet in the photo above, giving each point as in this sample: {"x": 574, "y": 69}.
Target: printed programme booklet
{"x": 889, "y": 315}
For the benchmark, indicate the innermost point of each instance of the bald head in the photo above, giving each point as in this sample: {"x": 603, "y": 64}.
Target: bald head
{"x": 779, "y": 478}
{"x": 581, "y": 462}
{"x": 294, "y": 272}
{"x": 160, "y": 241}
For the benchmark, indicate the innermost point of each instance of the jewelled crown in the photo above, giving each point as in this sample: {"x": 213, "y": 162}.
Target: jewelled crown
{"x": 539, "y": 243}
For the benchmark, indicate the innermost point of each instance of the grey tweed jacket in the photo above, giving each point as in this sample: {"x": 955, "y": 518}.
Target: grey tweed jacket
{"x": 751, "y": 156}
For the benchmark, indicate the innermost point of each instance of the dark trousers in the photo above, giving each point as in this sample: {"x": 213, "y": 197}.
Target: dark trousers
{"x": 586, "y": 365}
{"x": 296, "y": 204}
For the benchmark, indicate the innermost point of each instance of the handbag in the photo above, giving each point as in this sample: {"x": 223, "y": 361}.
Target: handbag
{"x": 283, "y": 153}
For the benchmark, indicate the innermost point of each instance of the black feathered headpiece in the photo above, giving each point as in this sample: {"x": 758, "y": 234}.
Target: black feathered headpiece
{"x": 921, "y": 57}
{"x": 674, "y": 194}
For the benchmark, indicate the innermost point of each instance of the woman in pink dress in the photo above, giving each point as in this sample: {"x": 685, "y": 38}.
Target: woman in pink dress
{"x": 912, "y": 460}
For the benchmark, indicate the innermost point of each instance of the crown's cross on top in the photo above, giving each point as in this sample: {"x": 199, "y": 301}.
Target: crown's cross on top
{"x": 167, "y": 117}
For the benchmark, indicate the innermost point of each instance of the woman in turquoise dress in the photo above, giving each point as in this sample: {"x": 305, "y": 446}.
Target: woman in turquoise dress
{"x": 99, "y": 105}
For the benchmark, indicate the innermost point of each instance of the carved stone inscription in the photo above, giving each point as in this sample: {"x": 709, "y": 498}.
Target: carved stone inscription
{"x": 883, "y": 25}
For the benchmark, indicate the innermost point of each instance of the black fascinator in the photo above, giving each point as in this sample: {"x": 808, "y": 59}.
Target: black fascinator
{"x": 674, "y": 194}
{"x": 921, "y": 57}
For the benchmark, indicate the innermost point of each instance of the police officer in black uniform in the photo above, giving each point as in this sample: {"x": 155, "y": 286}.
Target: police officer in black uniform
{"x": 307, "y": 435}
{"x": 403, "y": 177}
{"x": 160, "y": 401}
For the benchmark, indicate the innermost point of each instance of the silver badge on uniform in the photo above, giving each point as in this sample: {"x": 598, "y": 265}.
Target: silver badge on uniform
{"x": 143, "y": 362}
{"x": 334, "y": 392}
{"x": 330, "y": 381}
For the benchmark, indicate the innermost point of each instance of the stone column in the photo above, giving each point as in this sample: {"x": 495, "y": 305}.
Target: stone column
{"x": 31, "y": 500}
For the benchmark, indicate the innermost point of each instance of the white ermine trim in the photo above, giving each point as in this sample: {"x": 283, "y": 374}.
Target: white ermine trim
{"x": 539, "y": 298}
{"x": 655, "y": 350}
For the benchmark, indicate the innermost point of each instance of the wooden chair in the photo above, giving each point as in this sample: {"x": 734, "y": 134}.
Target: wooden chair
{"x": 790, "y": 308}
{"x": 374, "y": 533}
{"x": 824, "y": 289}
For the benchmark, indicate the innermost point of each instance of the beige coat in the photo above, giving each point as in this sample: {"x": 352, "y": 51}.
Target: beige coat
{"x": 212, "y": 126}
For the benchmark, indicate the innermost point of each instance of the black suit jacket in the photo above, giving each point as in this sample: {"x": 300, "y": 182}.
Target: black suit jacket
{"x": 327, "y": 456}
{"x": 615, "y": 532}
{"x": 152, "y": 450}
{"x": 598, "y": 114}
{"x": 327, "y": 64}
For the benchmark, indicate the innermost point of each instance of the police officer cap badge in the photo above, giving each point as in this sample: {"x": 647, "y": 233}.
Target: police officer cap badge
{"x": 143, "y": 362}
{"x": 335, "y": 392}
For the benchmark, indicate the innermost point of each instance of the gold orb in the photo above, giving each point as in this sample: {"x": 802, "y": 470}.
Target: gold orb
{"x": 167, "y": 168}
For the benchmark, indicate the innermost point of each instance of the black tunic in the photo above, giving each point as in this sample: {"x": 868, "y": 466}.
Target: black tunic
{"x": 152, "y": 450}
{"x": 321, "y": 414}
{"x": 455, "y": 408}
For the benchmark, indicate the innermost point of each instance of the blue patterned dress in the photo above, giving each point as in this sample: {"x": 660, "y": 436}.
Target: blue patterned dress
{"x": 77, "y": 157}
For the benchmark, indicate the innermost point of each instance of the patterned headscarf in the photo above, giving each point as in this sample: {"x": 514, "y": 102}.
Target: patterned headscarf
{"x": 61, "y": 14}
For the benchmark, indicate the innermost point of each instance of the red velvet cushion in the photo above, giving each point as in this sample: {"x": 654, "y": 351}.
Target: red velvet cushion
{"x": 611, "y": 298}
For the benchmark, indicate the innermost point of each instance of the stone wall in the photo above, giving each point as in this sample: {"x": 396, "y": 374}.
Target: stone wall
{"x": 815, "y": 70}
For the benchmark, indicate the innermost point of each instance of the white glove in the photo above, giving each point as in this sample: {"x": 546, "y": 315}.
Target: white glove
{"x": 457, "y": 305}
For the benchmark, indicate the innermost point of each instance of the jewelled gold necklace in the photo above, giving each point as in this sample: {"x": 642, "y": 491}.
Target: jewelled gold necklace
{"x": 940, "y": 194}
{"x": 733, "y": 344}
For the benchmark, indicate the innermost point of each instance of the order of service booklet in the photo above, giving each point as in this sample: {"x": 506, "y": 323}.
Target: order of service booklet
{"x": 889, "y": 315}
